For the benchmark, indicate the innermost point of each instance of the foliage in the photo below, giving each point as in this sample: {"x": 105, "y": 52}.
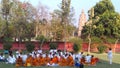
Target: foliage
{"x": 104, "y": 23}
{"x": 96, "y": 39}
{"x": 76, "y": 47}
{"x": 57, "y": 30}
{"x": 77, "y": 41}
{"x": 102, "y": 6}
{"x": 53, "y": 45}
{"x": 30, "y": 46}
{"x": 41, "y": 38}
{"x": 62, "y": 21}
{"x": 101, "y": 48}
{"x": 7, "y": 43}
{"x": 110, "y": 40}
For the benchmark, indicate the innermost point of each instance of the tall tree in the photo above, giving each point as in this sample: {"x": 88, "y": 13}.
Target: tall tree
{"x": 6, "y": 7}
{"x": 104, "y": 18}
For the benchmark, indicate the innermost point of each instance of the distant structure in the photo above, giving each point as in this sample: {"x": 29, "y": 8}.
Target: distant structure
{"x": 82, "y": 21}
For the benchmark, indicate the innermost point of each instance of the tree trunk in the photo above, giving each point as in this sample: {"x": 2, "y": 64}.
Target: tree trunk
{"x": 115, "y": 45}
{"x": 89, "y": 43}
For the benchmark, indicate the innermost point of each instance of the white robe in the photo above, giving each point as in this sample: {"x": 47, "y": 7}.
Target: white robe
{"x": 11, "y": 60}
{"x": 88, "y": 59}
{"x": 109, "y": 54}
{"x": 24, "y": 57}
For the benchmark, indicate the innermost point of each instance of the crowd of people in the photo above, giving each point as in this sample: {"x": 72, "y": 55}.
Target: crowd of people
{"x": 52, "y": 58}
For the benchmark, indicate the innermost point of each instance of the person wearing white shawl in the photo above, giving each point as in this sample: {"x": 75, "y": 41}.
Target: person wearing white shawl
{"x": 110, "y": 56}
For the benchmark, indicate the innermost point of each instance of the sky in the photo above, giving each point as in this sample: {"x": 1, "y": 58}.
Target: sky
{"x": 77, "y": 4}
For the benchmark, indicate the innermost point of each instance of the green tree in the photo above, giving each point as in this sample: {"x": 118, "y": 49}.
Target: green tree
{"x": 64, "y": 17}
{"x": 103, "y": 22}
{"x": 53, "y": 45}
{"x": 76, "y": 48}
{"x": 6, "y": 7}
{"x": 77, "y": 43}
{"x": 30, "y": 46}
{"x": 116, "y": 31}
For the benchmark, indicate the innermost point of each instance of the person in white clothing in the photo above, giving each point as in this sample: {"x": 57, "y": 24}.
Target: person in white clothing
{"x": 88, "y": 58}
{"x": 11, "y": 59}
{"x": 2, "y": 58}
{"x": 110, "y": 55}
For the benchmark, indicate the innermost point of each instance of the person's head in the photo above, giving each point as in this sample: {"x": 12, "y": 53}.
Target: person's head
{"x": 81, "y": 52}
{"x": 19, "y": 57}
{"x": 87, "y": 54}
{"x": 10, "y": 54}
{"x": 110, "y": 48}
{"x": 1, "y": 54}
{"x": 92, "y": 56}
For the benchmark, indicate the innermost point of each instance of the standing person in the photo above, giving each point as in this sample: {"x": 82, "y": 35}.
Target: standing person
{"x": 110, "y": 55}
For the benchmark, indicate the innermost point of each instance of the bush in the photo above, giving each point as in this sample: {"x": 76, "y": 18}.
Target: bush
{"x": 96, "y": 40}
{"x": 30, "y": 47}
{"x": 41, "y": 38}
{"x": 76, "y": 41}
{"x": 53, "y": 45}
{"x": 111, "y": 40}
{"x": 7, "y": 45}
{"x": 76, "y": 48}
{"x": 101, "y": 48}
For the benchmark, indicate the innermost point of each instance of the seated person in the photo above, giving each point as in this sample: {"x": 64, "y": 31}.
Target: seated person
{"x": 11, "y": 59}
{"x": 6, "y": 51}
{"x": 62, "y": 61}
{"x": 19, "y": 61}
{"x": 88, "y": 59}
{"x": 93, "y": 60}
{"x": 35, "y": 61}
{"x": 2, "y": 58}
{"x": 82, "y": 60}
{"x": 50, "y": 63}
{"x": 29, "y": 60}
{"x": 47, "y": 59}
{"x": 70, "y": 61}
{"x": 55, "y": 59}
{"x": 41, "y": 60}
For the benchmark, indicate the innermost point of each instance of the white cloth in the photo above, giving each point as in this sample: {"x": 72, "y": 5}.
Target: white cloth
{"x": 24, "y": 57}
{"x": 110, "y": 56}
{"x": 48, "y": 64}
{"x": 88, "y": 59}
{"x": 11, "y": 59}
{"x": 2, "y": 57}
{"x": 40, "y": 51}
{"x": 50, "y": 56}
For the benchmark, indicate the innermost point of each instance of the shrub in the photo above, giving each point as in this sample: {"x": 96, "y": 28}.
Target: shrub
{"x": 96, "y": 40}
{"x": 76, "y": 48}
{"x": 53, "y": 45}
{"x": 111, "y": 40}
{"x": 7, "y": 45}
{"x": 76, "y": 41}
{"x": 41, "y": 38}
{"x": 101, "y": 48}
{"x": 30, "y": 47}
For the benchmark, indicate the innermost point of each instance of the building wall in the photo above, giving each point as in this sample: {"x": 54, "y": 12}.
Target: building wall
{"x": 68, "y": 46}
